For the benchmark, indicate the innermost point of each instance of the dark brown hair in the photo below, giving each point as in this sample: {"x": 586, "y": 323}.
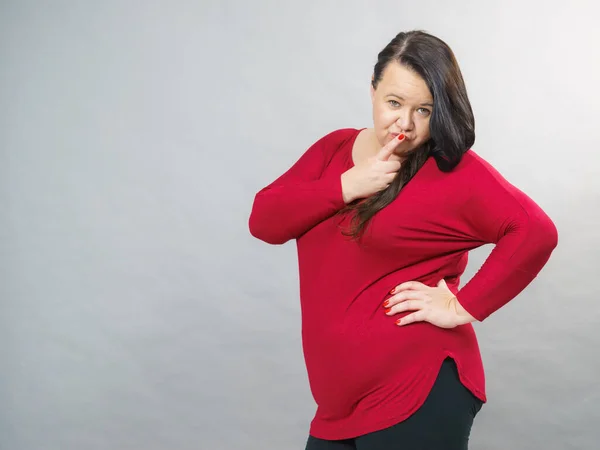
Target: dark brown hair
{"x": 452, "y": 125}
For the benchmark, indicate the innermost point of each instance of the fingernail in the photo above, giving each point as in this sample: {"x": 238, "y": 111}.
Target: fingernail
{"x": 400, "y": 136}
{"x": 386, "y": 303}
{"x": 392, "y": 291}
{"x": 398, "y": 321}
{"x": 389, "y": 310}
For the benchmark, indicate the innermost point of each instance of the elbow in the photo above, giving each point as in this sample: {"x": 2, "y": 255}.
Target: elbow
{"x": 535, "y": 238}
{"x": 263, "y": 229}
{"x": 543, "y": 236}
{"x": 552, "y": 236}
{"x": 546, "y": 233}
{"x": 269, "y": 238}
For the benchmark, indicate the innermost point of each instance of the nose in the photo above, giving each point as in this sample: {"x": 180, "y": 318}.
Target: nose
{"x": 405, "y": 121}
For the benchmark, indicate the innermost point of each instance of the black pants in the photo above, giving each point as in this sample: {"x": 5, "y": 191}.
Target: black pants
{"x": 442, "y": 423}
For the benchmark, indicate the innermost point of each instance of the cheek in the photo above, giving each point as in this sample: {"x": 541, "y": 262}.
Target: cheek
{"x": 378, "y": 112}
{"x": 383, "y": 116}
{"x": 423, "y": 130}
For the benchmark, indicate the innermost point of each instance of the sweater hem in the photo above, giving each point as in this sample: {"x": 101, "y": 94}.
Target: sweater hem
{"x": 350, "y": 432}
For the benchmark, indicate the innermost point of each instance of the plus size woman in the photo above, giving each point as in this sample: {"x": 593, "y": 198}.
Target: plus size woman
{"x": 383, "y": 219}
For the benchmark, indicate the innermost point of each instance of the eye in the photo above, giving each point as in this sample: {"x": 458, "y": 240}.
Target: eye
{"x": 393, "y": 103}
{"x": 424, "y": 111}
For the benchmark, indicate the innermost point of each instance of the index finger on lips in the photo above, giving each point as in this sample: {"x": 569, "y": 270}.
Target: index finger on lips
{"x": 387, "y": 150}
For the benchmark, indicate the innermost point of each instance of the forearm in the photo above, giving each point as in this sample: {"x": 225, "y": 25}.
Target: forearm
{"x": 282, "y": 213}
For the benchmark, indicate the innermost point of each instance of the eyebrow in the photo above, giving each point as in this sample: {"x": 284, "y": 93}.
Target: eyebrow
{"x": 403, "y": 99}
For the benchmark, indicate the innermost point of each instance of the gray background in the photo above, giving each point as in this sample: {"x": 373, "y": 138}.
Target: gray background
{"x": 137, "y": 312}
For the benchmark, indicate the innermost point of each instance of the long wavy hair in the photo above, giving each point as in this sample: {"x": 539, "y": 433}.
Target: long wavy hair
{"x": 451, "y": 126}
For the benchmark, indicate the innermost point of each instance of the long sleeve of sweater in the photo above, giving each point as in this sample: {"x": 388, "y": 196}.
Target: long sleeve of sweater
{"x": 525, "y": 236}
{"x": 300, "y": 198}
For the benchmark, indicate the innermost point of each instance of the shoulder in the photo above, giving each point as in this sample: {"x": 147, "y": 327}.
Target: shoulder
{"x": 476, "y": 172}
{"x": 473, "y": 161}
{"x": 475, "y": 179}
{"x": 486, "y": 186}
{"x": 492, "y": 199}
{"x": 329, "y": 144}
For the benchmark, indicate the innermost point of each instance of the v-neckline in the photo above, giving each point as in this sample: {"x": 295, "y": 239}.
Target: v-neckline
{"x": 351, "y": 163}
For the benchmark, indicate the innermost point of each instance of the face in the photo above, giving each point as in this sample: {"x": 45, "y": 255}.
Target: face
{"x": 402, "y": 103}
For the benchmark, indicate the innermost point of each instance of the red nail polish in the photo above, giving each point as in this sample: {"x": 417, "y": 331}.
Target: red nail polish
{"x": 398, "y": 321}
{"x": 388, "y": 310}
{"x": 400, "y": 136}
{"x": 386, "y": 303}
{"x": 392, "y": 291}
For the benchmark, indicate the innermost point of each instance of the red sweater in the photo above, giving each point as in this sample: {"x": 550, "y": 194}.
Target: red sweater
{"x": 365, "y": 372}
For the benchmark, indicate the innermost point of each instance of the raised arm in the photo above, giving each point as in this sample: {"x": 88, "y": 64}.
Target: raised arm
{"x": 300, "y": 198}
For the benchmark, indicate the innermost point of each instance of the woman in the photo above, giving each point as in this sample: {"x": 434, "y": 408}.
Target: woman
{"x": 384, "y": 218}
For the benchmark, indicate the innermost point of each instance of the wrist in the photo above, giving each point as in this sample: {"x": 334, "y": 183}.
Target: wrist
{"x": 461, "y": 312}
{"x": 347, "y": 198}
{"x": 347, "y": 193}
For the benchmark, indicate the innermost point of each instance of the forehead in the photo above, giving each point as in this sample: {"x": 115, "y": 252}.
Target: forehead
{"x": 399, "y": 80}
